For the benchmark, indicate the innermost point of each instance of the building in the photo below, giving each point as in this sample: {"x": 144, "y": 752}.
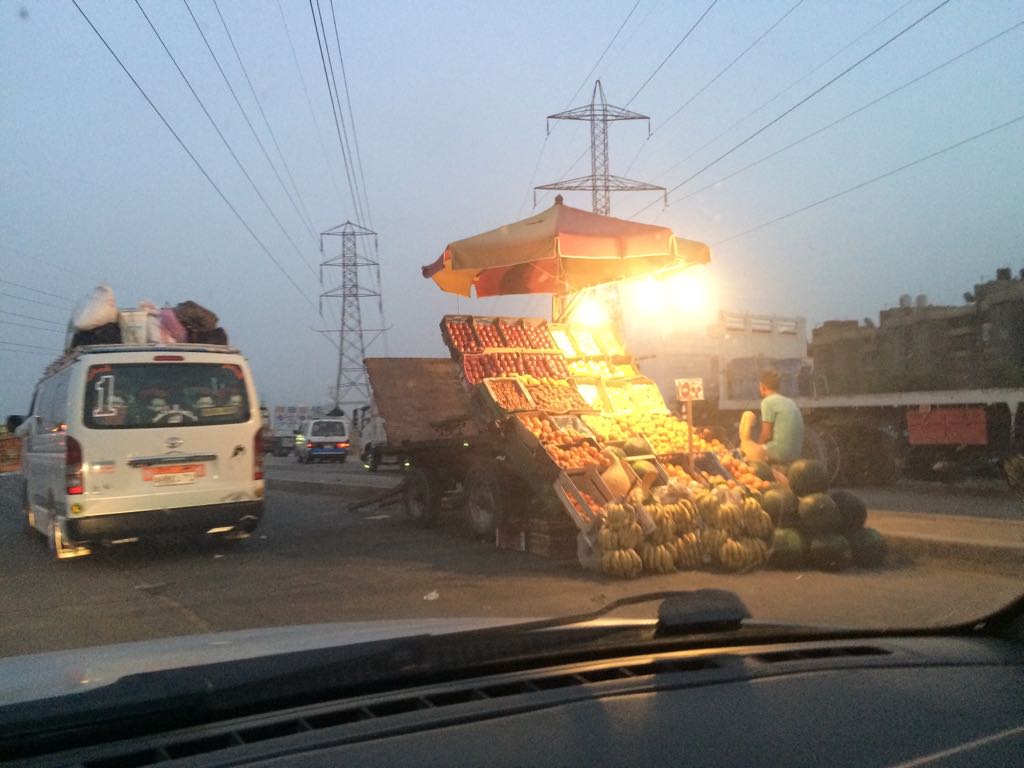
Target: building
{"x": 921, "y": 346}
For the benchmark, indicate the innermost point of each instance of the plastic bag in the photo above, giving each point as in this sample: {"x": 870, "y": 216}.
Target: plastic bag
{"x": 99, "y": 308}
{"x": 171, "y": 328}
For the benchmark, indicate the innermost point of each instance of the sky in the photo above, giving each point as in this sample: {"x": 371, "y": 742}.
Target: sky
{"x": 448, "y": 136}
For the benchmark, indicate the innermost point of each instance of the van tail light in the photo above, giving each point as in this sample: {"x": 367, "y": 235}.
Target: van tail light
{"x": 257, "y": 455}
{"x": 73, "y": 466}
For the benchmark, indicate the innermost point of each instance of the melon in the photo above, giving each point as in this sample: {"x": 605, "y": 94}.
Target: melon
{"x": 787, "y": 549}
{"x": 617, "y": 451}
{"x": 868, "y": 546}
{"x": 852, "y": 510}
{"x": 643, "y": 467}
{"x": 830, "y": 552}
{"x": 807, "y": 476}
{"x": 781, "y": 506}
{"x": 763, "y": 471}
{"x": 636, "y": 446}
{"x": 819, "y": 514}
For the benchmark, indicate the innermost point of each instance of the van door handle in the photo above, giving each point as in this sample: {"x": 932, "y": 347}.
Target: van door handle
{"x": 239, "y": 449}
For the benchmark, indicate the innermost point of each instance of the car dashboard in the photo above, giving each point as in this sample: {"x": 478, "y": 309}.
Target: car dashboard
{"x": 887, "y": 701}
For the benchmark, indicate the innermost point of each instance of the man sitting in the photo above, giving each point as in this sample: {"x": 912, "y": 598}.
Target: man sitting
{"x": 782, "y": 426}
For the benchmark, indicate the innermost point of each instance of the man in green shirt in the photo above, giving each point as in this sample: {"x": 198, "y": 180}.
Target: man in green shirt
{"x": 782, "y": 426}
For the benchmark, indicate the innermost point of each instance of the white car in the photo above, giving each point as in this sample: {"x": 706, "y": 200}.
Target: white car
{"x": 323, "y": 439}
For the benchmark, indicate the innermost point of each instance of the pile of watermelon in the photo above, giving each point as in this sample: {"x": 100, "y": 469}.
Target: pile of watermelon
{"x": 817, "y": 527}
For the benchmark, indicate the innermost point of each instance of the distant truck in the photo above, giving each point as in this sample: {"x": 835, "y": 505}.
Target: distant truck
{"x": 862, "y": 438}
{"x": 281, "y": 422}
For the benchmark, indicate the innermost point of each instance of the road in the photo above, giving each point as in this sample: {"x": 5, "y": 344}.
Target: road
{"x": 315, "y": 561}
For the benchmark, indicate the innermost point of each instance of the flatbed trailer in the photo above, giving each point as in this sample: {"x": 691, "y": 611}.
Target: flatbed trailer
{"x": 876, "y": 437}
{"x": 450, "y": 453}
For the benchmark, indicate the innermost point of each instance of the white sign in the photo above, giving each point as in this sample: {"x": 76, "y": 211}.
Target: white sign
{"x": 690, "y": 389}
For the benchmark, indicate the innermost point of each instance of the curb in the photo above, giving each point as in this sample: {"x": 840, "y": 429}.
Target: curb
{"x": 1005, "y": 559}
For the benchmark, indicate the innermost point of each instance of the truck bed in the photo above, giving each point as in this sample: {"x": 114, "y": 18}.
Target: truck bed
{"x": 422, "y": 401}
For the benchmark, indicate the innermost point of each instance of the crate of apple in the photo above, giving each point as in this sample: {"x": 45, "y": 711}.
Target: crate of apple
{"x": 487, "y": 333}
{"x": 513, "y": 335}
{"x": 475, "y": 368}
{"x": 458, "y": 334}
{"x": 537, "y": 334}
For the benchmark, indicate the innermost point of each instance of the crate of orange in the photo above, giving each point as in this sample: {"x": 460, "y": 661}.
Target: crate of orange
{"x": 744, "y": 474}
{"x": 577, "y": 457}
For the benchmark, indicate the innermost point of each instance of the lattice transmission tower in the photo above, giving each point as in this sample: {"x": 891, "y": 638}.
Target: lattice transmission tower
{"x": 599, "y": 113}
{"x": 351, "y": 386}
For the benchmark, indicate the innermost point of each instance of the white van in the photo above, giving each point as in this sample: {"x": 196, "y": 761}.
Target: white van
{"x": 125, "y": 441}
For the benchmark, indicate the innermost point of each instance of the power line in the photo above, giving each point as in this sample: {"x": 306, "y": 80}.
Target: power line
{"x": 245, "y": 116}
{"x": 673, "y": 51}
{"x": 34, "y": 290}
{"x": 339, "y": 119}
{"x": 191, "y": 156}
{"x": 224, "y": 140}
{"x": 880, "y": 177}
{"x": 32, "y": 301}
{"x": 802, "y": 101}
{"x": 309, "y": 101}
{"x": 26, "y": 346}
{"x": 848, "y": 115}
{"x": 586, "y": 79}
{"x": 714, "y": 79}
{"x": 351, "y": 118}
{"x": 792, "y": 85}
{"x": 37, "y": 261}
{"x": 30, "y": 317}
{"x": 33, "y": 327}
{"x": 259, "y": 105}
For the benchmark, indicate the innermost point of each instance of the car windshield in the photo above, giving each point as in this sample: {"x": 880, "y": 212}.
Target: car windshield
{"x": 328, "y": 428}
{"x": 529, "y": 307}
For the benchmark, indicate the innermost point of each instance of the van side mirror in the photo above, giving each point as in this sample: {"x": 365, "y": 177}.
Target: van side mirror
{"x": 13, "y": 422}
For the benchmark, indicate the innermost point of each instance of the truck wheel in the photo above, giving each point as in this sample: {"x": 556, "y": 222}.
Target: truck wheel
{"x": 422, "y": 498}
{"x": 486, "y": 498}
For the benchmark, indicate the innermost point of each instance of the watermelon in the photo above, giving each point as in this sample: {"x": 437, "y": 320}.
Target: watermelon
{"x": 763, "y": 471}
{"x": 807, "y": 476}
{"x": 787, "y": 549}
{"x": 636, "y": 446}
{"x": 851, "y": 509}
{"x": 819, "y": 514}
{"x": 830, "y": 552}
{"x": 781, "y": 506}
{"x": 868, "y": 546}
{"x": 643, "y": 467}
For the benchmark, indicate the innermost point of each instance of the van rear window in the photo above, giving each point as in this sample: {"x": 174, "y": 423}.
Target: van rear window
{"x": 141, "y": 395}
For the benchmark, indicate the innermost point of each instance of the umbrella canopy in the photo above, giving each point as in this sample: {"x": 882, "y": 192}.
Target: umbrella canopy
{"x": 559, "y": 250}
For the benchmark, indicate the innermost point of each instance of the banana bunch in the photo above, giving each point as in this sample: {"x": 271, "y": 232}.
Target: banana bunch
{"x": 688, "y": 551}
{"x": 711, "y": 542}
{"x": 623, "y": 563}
{"x": 756, "y": 522}
{"x": 618, "y": 539}
{"x": 729, "y": 517}
{"x": 657, "y": 558}
{"x": 627, "y": 536}
{"x": 744, "y": 554}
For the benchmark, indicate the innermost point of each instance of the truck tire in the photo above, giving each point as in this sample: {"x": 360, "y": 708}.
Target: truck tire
{"x": 486, "y": 497}
{"x": 421, "y": 497}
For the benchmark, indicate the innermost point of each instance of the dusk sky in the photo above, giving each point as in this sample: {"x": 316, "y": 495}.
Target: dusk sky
{"x": 448, "y": 103}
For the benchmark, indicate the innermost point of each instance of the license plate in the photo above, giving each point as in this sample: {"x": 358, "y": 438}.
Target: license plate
{"x": 181, "y": 478}
{"x": 175, "y": 474}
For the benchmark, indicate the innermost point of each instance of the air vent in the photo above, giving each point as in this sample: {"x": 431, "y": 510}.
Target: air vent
{"x": 828, "y": 652}
{"x": 397, "y": 706}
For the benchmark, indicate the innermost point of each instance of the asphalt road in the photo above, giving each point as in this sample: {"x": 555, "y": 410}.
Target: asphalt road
{"x": 315, "y": 561}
